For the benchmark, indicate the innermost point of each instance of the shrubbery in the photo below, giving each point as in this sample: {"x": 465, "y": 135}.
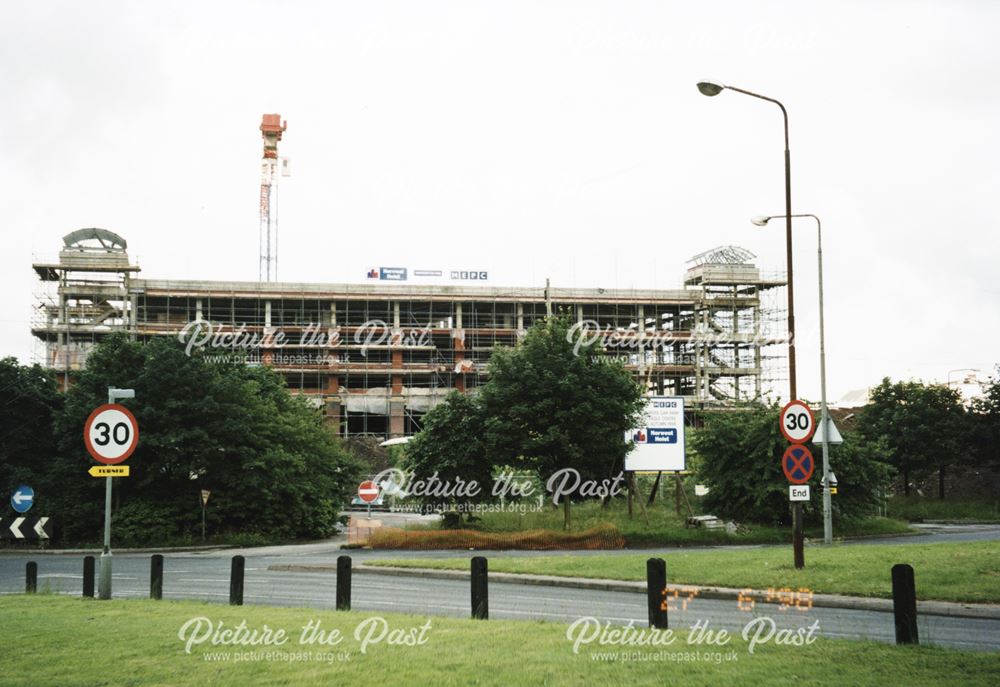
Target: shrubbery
{"x": 274, "y": 470}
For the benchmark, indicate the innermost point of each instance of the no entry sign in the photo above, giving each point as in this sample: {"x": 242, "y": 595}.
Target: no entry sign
{"x": 111, "y": 434}
{"x": 797, "y": 464}
{"x": 797, "y": 422}
{"x": 368, "y": 491}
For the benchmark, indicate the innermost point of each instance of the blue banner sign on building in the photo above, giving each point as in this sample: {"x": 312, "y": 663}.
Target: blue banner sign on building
{"x": 388, "y": 273}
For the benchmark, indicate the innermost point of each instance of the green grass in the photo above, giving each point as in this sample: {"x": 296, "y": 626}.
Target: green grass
{"x": 920, "y": 508}
{"x": 65, "y": 641}
{"x": 665, "y": 527}
{"x": 949, "y": 572}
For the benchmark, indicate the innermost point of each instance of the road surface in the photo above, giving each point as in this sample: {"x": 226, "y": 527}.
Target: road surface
{"x": 205, "y": 576}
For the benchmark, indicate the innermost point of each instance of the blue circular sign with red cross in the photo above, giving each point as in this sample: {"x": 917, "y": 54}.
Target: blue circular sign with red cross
{"x": 797, "y": 464}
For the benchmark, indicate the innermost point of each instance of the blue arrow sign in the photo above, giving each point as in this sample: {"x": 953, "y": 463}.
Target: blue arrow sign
{"x": 23, "y": 499}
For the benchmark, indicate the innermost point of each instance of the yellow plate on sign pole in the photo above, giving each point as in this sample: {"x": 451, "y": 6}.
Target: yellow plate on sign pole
{"x": 108, "y": 471}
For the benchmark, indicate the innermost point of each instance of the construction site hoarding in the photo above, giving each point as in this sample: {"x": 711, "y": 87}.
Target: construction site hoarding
{"x": 659, "y": 438}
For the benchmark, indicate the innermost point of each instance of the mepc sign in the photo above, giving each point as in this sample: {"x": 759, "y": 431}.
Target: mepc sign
{"x": 659, "y": 438}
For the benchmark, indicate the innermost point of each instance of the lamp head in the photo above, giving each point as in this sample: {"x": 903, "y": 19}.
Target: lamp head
{"x": 710, "y": 88}
{"x": 760, "y": 220}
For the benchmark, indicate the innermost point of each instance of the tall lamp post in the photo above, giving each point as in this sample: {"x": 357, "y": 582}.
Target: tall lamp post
{"x": 824, "y": 413}
{"x": 711, "y": 88}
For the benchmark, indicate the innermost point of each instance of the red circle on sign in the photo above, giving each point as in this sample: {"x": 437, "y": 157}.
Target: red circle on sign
{"x": 368, "y": 491}
{"x": 792, "y": 415}
{"x": 134, "y": 434}
{"x": 798, "y": 463}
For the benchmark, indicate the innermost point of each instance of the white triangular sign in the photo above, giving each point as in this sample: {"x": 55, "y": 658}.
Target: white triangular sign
{"x": 820, "y": 436}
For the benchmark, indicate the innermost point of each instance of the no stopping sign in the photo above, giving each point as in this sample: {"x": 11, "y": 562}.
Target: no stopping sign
{"x": 111, "y": 434}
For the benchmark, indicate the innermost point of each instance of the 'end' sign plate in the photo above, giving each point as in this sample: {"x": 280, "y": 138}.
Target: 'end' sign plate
{"x": 798, "y": 492}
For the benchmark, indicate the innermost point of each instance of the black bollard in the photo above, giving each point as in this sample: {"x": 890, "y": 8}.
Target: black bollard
{"x": 88, "y": 576}
{"x": 156, "y": 577}
{"x": 343, "y": 583}
{"x": 31, "y": 577}
{"x": 236, "y": 581}
{"x": 656, "y": 588}
{"x": 480, "y": 592}
{"x": 904, "y": 604}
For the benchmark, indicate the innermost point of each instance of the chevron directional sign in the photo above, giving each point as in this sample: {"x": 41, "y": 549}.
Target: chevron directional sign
{"x": 25, "y": 528}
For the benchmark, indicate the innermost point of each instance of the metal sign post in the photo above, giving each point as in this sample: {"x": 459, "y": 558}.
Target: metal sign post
{"x": 368, "y": 492}
{"x": 110, "y": 435}
{"x": 798, "y": 425}
{"x": 205, "y": 493}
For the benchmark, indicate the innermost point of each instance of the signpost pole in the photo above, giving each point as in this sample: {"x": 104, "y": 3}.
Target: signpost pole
{"x": 104, "y": 581}
{"x": 205, "y": 493}
{"x": 798, "y": 539}
{"x": 104, "y": 584}
{"x": 797, "y": 424}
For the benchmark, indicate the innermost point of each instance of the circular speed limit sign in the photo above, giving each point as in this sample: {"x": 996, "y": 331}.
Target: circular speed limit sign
{"x": 797, "y": 423}
{"x": 111, "y": 434}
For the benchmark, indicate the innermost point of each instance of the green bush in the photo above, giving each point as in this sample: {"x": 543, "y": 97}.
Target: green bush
{"x": 141, "y": 523}
{"x": 740, "y": 454}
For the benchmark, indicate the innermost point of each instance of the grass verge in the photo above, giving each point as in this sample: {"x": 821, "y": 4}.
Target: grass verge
{"x": 920, "y": 508}
{"x": 602, "y": 537}
{"x": 64, "y": 641}
{"x": 968, "y": 571}
{"x": 665, "y": 527}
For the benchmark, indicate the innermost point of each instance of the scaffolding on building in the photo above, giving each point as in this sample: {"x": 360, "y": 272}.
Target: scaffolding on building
{"x": 375, "y": 357}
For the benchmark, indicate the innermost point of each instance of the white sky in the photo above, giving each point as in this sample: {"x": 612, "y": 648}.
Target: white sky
{"x": 532, "y": 139}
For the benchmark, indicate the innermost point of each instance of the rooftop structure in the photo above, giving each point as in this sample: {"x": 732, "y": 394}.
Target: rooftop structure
{"x": 377, "y": 356}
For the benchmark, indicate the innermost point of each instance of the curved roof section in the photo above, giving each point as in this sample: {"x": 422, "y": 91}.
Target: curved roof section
{"x": 724, "y": 255}
{"x": 107, "y": 240}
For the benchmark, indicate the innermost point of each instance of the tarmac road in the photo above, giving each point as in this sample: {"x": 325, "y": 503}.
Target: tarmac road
{"x": 205, "y": 576}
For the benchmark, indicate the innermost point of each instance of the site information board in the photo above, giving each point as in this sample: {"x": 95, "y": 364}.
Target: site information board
{"x": 659, "y": 438}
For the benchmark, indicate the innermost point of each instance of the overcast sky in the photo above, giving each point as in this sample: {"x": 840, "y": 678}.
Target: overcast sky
{"x": 531, "y": 139}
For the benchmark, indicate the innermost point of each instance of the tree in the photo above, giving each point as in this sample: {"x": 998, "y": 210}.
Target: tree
{"x": 451, "y": 446}
{"x": 739, "y": 458}
{"x": 29, "y": 400}
{"x": 986, "y": 423}
{"x": 272, "y": 466}
{"x": 739, "y": 453}
{"x": 922, "y": 425}
{"x": 551, "y": 404}
{"x": 370, "y": 453}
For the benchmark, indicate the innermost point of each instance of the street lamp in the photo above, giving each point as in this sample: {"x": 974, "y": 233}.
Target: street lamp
{"x": 713, "y": 88}
{"x": 824, "y": 413}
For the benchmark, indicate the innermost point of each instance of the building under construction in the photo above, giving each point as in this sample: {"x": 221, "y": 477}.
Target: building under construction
{"x": 377, "y": 356}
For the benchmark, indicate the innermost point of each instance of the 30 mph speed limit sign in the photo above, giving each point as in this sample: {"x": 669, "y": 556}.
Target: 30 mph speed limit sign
{"x": 797, "y": 423}
{"x": 111, "y": 434}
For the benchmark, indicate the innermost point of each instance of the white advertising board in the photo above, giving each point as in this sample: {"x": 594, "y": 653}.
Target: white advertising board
{"x": 659, "y": 438}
